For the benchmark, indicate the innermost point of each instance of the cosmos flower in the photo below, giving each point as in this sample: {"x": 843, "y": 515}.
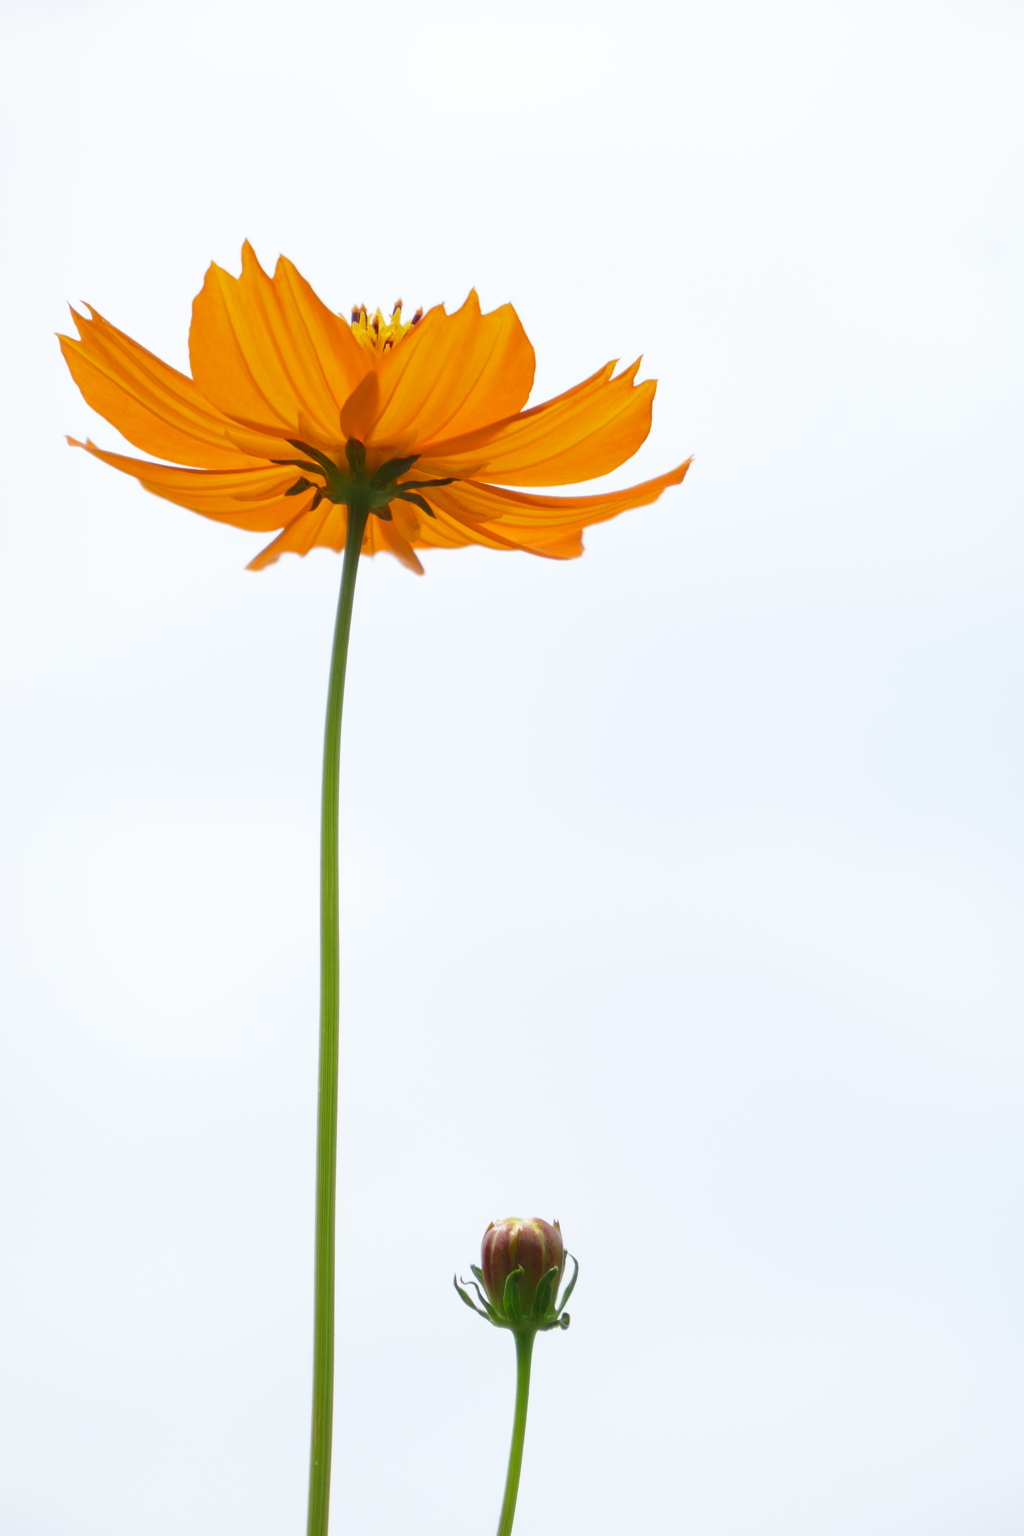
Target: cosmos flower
{"x": 290, "y": 406}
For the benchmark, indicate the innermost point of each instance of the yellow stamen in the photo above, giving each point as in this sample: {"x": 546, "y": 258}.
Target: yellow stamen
{"x": 377, "y": 334}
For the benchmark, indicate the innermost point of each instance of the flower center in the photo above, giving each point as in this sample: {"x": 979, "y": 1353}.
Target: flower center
{"x": 375, "y": 333}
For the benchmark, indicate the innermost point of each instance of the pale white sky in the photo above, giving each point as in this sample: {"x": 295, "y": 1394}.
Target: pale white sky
{"x": 682, "y": 883}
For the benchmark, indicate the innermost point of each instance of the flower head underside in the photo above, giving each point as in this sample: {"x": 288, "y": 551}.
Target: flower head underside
{"x": 291, "y": 411}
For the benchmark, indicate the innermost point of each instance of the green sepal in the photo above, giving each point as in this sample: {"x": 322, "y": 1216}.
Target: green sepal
{"x": 390, "y": 470}
{"x": 542, "y": 1299}
{"x": 487, "y": 1317}
{"x": 327, "y": 465}
{"x": 488, "y": 1306}
{"x": 355, "y": 452}
{"x": 571, "y": 1286}
{"x": 417, "y": 501}
{"x": 490, "y": 1310}
{"x": 353, "y": 486}
{"x": 512, "y": 1300}
{"x": 467, "y": 1298}
{"x": 315, "y": 469}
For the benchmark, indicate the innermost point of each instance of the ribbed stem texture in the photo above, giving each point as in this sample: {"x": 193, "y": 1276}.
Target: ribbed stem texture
{"x": 327, "y": 1098}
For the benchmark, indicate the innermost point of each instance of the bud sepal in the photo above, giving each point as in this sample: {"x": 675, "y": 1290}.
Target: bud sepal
{"x": 517, "y": 1288}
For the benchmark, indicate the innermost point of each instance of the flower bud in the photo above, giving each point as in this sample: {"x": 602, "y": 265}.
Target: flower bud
{"x": 522, "y": 1269}
{"x": 533, "y": 1246}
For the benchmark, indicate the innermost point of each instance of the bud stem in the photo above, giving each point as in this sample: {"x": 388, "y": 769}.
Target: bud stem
{"x": 524, "y": 1338}
{"x": 327, "y": 1102}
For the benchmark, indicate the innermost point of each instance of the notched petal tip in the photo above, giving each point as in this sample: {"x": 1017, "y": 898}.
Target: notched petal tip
{"x": 631, "y": 372}
{"x": 80, "y": 322}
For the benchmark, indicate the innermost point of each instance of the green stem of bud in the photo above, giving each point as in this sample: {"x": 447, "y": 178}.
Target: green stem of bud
{"x": 524, "y": 1338}
{"x": 327, "y": 1102}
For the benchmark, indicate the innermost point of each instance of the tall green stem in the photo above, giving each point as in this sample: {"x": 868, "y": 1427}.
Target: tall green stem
{"x": 524, "y": 1355}
{"x": 327, "y": 1100}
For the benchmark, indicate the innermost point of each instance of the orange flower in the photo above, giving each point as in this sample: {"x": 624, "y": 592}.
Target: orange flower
{"x": 290, "y": 407}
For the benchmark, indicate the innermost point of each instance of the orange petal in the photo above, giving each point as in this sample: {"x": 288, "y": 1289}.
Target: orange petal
{"x": 329, "y": 533}
{"x": 398, "y": 545}
{"x": 341, "y": 359}
{"x": 334, "y": 528}
{"x": 452, "y": 374}
{"x": 481, "y": 437}
{"x": 445, "y": 531}
{"x": 252, "y": 498}
{"x": 373, "y": 543}
{"x": 298, "y": 538}
{"x": 280, "y": 350}
{"x": 379, "y": 536}
{"x": 543, "y": 520}
{"x": 154, "y": 406}
{"x": 266, "y": 445}
{"x": 242, "y": 357}
{"x": 551, "y": 526}
{"x": 506, "y": 363}
{"x": 441, "y": 532}
{"x": 406, "y": 519}
{"x": 578, "y": 436}
{"x": 360, "y": 409}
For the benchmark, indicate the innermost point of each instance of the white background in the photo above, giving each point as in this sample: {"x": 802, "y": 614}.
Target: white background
{"x": 682, "y": 883}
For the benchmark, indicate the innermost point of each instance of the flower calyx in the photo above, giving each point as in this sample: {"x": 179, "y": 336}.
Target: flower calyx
{"x": 517, "y": 1287}
{"x": 355, "y": 486}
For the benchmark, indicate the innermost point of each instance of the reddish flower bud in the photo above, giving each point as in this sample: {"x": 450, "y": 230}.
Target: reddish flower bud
{"x": 522, "y": 1270}
{"x": 533, "y": 1246}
